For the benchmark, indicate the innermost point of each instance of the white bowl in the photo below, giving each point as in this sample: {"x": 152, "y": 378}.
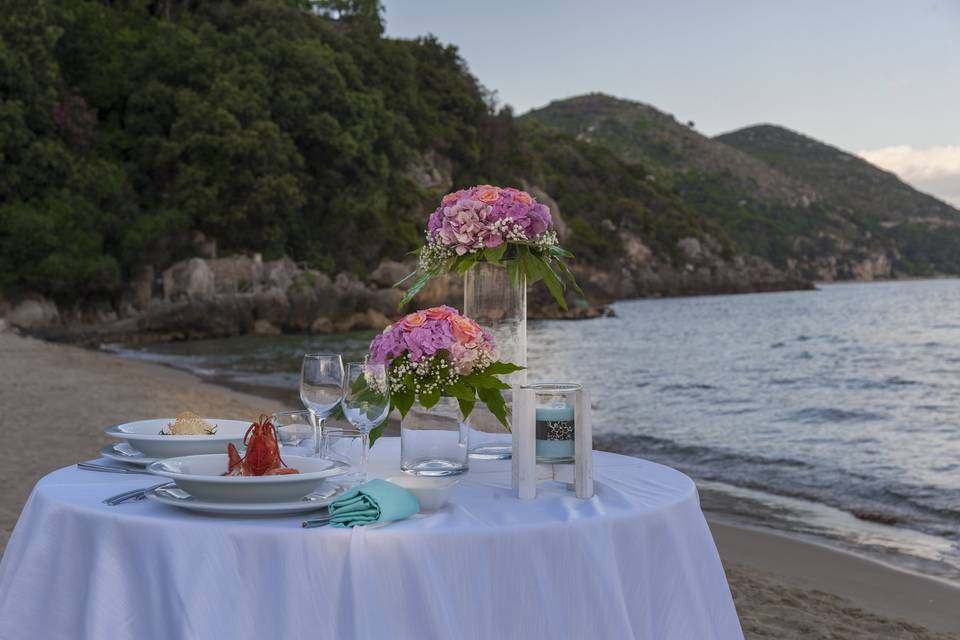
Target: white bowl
{"x": 201, "y": 476}
{"x": 144, "y": 436}
{"x": 431, "y": 493}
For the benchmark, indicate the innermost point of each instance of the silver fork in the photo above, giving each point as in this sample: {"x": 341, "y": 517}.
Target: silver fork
{"x": 92, "y": 466}
{"x": 135, "y": 494}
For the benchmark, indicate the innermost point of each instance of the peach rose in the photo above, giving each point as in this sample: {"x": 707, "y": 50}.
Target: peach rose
{"x": 439, "y": 313}
{"x": 414, "y": 320}
{"x": 465, "y": 330}
{"x": 486, "y": 193}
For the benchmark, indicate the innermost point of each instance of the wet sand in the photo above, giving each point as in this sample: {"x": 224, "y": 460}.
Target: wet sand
{"x": 55, "y": 401}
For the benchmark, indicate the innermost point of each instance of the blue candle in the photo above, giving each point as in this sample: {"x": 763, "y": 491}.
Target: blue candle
{"x": 555, "y": 433}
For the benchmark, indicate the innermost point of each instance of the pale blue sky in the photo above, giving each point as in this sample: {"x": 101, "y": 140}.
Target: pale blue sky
{"x": 864, "y": 75}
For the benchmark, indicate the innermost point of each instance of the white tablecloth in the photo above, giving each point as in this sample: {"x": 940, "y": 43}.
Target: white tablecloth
{"x": 636, "y": 561}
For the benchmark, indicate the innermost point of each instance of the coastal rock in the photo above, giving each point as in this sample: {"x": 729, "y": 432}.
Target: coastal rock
{"x": 188, "y": 280}
{"x": 280, "y": 273}
{"x": 271, "y": 305}
{"x": 263, "y": 327}
{"x": 303, "y": 307}
{"x": 872, "y": 267}
{"x": 140, "y": 291}
{"x": 236, "y": 274}
{"x": 431, "y": 170}
{"x": 390, "y": 272}
{"x": 34, "y": 313}
{"x": 322, "y": 325}
{"x": 385, "y": 301}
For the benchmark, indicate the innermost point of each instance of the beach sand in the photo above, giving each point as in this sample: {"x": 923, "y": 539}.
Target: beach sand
{"x": 55, "y": 401}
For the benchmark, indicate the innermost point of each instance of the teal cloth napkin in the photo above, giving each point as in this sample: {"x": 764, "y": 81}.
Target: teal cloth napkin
{"x": 373, "y": 501}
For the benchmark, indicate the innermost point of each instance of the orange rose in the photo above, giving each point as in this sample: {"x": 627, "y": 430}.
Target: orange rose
{"x": 488, "y": 194}
{"x": 414, "y": 320}
{"x": 524, "y": 197}
{"x": 465, "y": 330}
{"x": 439, "y": 313}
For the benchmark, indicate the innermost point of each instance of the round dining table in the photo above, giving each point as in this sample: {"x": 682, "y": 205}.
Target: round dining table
{"x": 635, "y": 561}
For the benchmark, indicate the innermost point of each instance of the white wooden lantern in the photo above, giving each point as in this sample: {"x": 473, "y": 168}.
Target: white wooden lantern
{"x": 554, "y": 454}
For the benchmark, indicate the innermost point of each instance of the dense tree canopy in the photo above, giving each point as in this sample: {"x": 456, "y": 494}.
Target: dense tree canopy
{"x": 285, "y": 127}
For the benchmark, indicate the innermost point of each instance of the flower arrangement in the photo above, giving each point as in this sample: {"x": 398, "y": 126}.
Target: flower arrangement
{"x": 502, "y": 226}
{"x": 438, "y": 352}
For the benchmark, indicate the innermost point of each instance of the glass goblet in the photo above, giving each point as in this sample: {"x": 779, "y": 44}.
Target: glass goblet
{"x": 321, "y": 383}
{"x": 366, "y": 400}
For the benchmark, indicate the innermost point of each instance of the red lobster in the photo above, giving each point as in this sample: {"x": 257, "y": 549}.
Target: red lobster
{"x": 263, "y": 453}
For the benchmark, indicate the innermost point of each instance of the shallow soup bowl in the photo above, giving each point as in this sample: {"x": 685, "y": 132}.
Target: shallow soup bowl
{"x": 145, "y": 436}
{"x": 202, "y": 477}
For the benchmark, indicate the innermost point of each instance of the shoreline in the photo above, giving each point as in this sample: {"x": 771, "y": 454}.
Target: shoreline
{"x": 865, "y": 582}
{"x": 783, "y": 587}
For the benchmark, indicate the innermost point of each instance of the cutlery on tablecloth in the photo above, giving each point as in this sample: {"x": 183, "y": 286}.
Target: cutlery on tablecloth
{"x": 92, "y": 466}
{"x": 319, "y": 521}
{"x": 135, "y": 494}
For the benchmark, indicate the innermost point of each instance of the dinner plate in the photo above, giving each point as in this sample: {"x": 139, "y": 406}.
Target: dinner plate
{"x": 144, "y": 436}
{"x": 202, "y": 477}
{"x": 123, "y": 452}
{"x": 306, "y": 504}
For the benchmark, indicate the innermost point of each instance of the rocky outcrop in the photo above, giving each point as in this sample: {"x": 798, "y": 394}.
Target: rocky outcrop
{"x": 35, "y": 313}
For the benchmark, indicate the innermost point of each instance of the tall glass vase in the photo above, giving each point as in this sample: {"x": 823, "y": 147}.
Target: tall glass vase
{"x": 490, "y": 298}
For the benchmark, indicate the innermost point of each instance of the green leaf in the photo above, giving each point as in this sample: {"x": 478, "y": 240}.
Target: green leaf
{"x": 553, "y": 282}
{"x": 375, "y": 433}
{"x": 495, "y": 403}
{"x": 404, "y": 279}
{"x": 462, "y": 391}
{"x": 495, "y": 254}
{"x": 484, "y": 381}
{"x": 502, "y": 368}
{"x": 466, "y": 407}
{"x": 415, "y": 288}
{"x": 464, "y": 262}
{"x": 568, "y": 275}
{"x": 430, "y": 398}
{"x": 402, "y": 401}
{"x": 529, "y": 265}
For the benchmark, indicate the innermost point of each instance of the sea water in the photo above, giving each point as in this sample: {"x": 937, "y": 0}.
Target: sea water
{"x": 833, "y": 414}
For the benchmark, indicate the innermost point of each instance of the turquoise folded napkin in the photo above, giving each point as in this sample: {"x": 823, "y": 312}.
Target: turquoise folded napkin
{"x": 374, "y": 501}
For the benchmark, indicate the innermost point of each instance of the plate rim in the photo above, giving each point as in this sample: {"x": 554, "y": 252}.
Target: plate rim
{"x": 336, "y": 468}
{"x": 142, "y": 460}
{"x": 245, "y": 508}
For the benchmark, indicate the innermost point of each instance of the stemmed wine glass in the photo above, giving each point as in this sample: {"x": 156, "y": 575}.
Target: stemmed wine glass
{"x": 321, "y": 380}
{"x": 366, "y": 401}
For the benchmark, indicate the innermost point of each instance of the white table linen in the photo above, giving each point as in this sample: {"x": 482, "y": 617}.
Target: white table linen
{"x": 636, "y": 561}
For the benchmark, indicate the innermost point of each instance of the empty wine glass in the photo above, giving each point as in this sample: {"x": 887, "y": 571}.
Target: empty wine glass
{"x": 321, "y": 382}
{"x": 366, "y": 400}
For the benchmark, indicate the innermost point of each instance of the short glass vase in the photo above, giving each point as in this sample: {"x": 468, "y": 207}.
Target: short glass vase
{"x": 434, "y": 441}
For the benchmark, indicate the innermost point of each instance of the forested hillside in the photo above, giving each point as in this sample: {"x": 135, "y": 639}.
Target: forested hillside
{"x": 139, "y": 133}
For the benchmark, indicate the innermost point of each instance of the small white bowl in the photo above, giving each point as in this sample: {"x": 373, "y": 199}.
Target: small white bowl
{"x": 201, "y": 476}
{"x": 432, "y": 493}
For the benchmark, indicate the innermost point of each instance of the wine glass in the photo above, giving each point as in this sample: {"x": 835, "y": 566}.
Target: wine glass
{"x": 366, "y": 401}
{"x": 321, "y": 380}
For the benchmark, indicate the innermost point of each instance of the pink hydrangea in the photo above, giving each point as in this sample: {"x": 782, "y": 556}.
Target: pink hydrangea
{"x": 424, "y": 334}
{"x": 487, "y": 216}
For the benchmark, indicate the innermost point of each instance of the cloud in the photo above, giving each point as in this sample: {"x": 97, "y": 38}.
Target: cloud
{"x": 935, "y": 170}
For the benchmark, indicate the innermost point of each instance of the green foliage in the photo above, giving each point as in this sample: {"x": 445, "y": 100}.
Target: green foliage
{"x": 276, "y": 126}
{"x": 409, "y": 385}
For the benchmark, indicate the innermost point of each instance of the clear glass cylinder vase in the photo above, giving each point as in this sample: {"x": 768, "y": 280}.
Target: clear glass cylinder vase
{"x": 499, "y": 305}
{"x": 434, "y": 441}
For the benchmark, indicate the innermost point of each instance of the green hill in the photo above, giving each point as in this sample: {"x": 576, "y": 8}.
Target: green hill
{"x": 807, "y": 207}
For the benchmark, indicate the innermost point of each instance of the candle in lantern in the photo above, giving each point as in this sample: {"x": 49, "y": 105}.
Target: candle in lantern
{"x": 555, "y": 427}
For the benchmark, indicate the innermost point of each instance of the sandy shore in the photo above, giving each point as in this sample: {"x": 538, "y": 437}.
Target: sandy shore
{"x": 56, "y": 400}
